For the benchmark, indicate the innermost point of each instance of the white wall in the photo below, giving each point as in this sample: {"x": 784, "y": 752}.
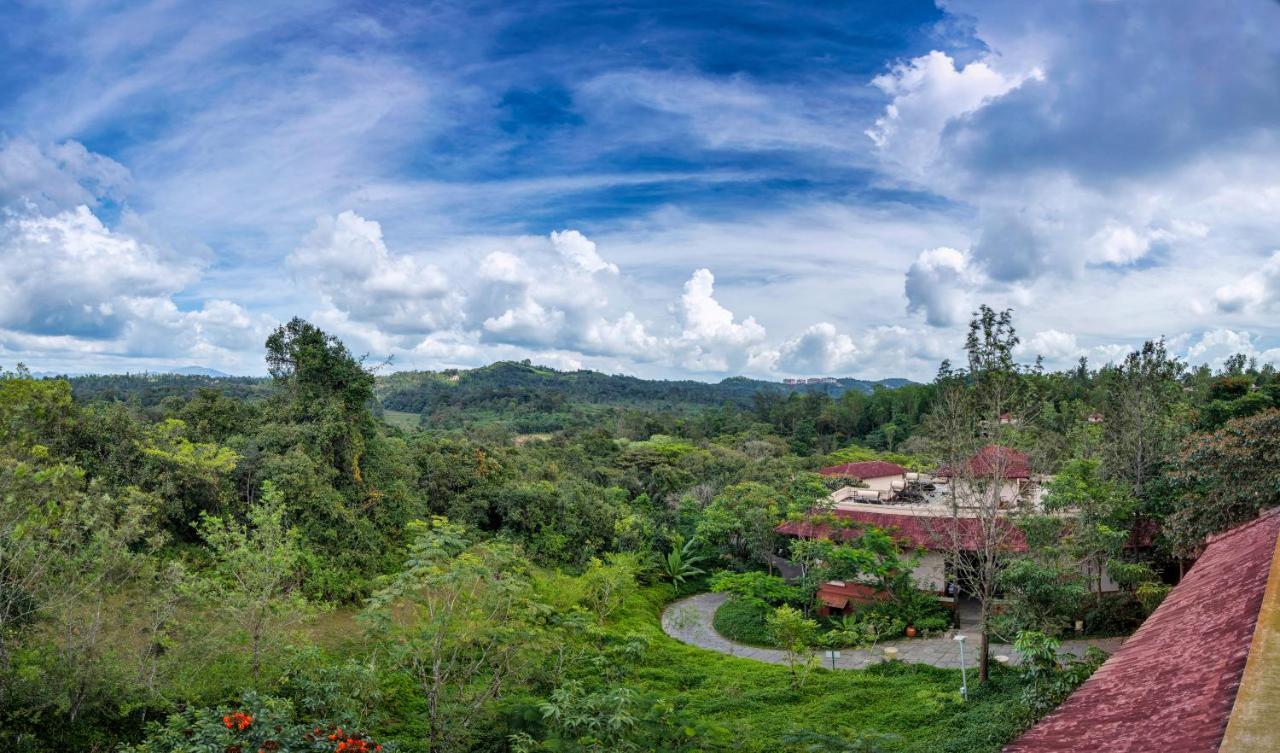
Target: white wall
{"x": 1010, "y": 491}
{"x": 884, "y": 483}
{"x": 931, "y": 573}
{"x": 1108, "y": 585}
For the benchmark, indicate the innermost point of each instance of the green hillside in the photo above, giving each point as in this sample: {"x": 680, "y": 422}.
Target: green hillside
{"x": 539, "y": 398}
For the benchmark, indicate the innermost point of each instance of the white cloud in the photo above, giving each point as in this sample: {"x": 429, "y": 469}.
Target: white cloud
{"x": 56, "y": 177}
{"x": 1258, "y": 289}
{"x": 73, "y": 290}
{"x": 1216, "y": 345}
{"x": 581, "y": 251}
{"x": 711, "y": 339}
{"x": 624, "y": 336}
{"x": 346, "y": 261}
{"x": 927, "y": 93}
{"x": 67, "y": 274}
{"x": 1053, "y": 344}
{"x": 938, "y": 284}
{"x": 820, "y": 349}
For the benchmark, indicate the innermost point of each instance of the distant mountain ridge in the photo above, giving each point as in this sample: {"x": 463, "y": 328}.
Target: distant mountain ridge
{"x": 501, "y": 389}
{"x": 504, "y": 381}
{"x": 197, "y": 371}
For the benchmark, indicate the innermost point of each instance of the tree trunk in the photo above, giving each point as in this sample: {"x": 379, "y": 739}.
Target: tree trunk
{"x": 984, "y": 647}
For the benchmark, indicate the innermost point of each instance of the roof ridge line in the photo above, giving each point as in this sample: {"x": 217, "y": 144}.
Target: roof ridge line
{"x": 1263, "y": 516}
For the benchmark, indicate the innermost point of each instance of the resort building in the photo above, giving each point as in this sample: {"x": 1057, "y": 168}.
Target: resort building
{"x": 878, "y": 481}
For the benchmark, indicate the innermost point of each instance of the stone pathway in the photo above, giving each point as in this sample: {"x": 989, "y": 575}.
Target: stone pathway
{"x": 690, "y": 620}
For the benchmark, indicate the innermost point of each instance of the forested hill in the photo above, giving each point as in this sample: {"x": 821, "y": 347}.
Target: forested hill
{"x": 147, "y": 390}
{"x": 517, "y": 386}
{"x": 520, "y": 396}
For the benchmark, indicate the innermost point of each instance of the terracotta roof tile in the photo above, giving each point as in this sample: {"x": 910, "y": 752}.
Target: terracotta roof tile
{"x": 1172, "y": 685}
{"x": 932, "y": 532}
{"x": 865, "y": 469}
{"x": 995, "y": 460}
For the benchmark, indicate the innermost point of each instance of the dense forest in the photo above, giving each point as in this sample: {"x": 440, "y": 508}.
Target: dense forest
{"x": 191, "y": 563}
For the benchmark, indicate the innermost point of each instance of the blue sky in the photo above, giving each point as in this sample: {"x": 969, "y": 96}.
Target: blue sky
{"x": 651, "y": 188}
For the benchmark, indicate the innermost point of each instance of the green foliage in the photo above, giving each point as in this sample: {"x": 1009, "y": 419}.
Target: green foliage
{"x": 606, "y": 584}
{"x": 810, "y": 741}
{"x": 856, "y": 454}
{"x": 256, "y": 723}
{"x": 473, "y": 625}
{"x": 529, "y": 618}
{"x": 256, "y": 569}
{"x": 796, "y": 635}
{"x": 576, "y": 720}
{"x": 1114, "y": 614}
{"x": 1047, "y": 680}
{"x": 1225, "y": 479}
{"x": 681, "y": 563}
{"x": 1150, "y": 595}
{"x": 755, "y": 586}
{"x": 743, "y": 620}
{"x": 740, "y": 521}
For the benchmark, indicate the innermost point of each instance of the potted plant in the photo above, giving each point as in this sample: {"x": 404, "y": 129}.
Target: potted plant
{"x": 911, "y": 631}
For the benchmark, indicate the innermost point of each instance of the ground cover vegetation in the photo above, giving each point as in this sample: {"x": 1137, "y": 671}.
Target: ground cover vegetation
{"x": 196, "y": 564}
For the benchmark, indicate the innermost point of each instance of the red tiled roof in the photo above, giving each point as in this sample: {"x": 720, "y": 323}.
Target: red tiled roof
{"x": 838, "y": 596}
{"x": 935, "y": 533}
{"x": 1172, "y": 685}
{"x": 993, "y": 460}
{"x": 865, "y": 469}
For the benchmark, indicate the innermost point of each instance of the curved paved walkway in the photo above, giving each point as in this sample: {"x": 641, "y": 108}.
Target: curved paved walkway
{"x": 690, "y": 620}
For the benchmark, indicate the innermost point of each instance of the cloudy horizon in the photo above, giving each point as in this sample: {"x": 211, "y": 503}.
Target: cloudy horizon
{"x": 643, "y": 188}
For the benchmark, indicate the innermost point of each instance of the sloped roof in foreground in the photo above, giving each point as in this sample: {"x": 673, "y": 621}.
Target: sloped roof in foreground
{"x": 1173, "y": 686}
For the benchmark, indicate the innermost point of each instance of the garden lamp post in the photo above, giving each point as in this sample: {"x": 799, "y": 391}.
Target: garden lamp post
{"x": 964, "y": 677}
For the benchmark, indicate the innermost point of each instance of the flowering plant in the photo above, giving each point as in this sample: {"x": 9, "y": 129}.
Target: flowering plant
{"x": 255, "y": 725}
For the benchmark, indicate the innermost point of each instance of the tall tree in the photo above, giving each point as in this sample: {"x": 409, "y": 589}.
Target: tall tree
{"x": 461, "y": 619}
{"x": 1142, "y": 397}
{"x": 257, "y": 570}
{"x": 972, "y": 428}
{"x": 1224, "y": 479}
{"x": 326, "y": 387}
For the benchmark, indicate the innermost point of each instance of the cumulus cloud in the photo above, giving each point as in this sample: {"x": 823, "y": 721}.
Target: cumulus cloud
{"x": 1052, "y": 344}
{"x": 553, "y": 293}
{"x": 1111, "y": 100}
{"x": 53, "y": 177}
{"x": 820, "y": 349}
{"x": 927, "y": 93}
{"x": 711, "y": 338}
{"x": 68, "y": 274}
{"x": 72, "y": 287}
{"x": 346, "y": 261}
{"x": 625, "y": 335}
{"x": 1258, "y": 289}
{"x": 580, "y": 251}
{"x": 1217, "y": 345}
{"x": 938, "y": 285}
{"x": 1103, "y": 158}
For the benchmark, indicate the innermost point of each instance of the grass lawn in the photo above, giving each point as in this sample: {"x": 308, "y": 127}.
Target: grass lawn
{"x": 918, "y": 704}
{"x": 401, "y": 419}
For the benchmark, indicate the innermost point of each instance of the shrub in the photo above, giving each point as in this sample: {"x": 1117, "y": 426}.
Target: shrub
{"x": 757, "y": 586}
{"x": 1048, "y": 680}
{"x": 255, "y": 724}
{"x": 1114, "y": 614}
{"x": 933, "y": 624}
{"x": 743, "y": 620}
{"x": 1150, "y": 595}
